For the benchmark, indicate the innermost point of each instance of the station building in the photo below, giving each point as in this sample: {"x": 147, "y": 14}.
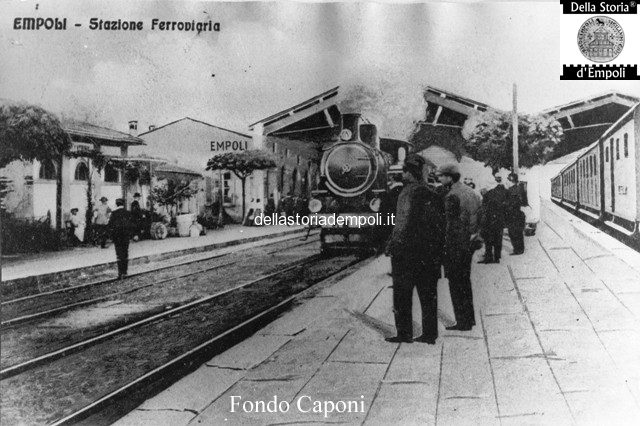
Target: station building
{"x": 293, "y": 137}
{"x": 33, "y": 186}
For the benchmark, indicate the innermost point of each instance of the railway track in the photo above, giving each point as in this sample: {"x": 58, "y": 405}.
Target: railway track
{"x": 56, "y": 329}
{"x": 86, "y": 377}
{"x": 29, "y": 308}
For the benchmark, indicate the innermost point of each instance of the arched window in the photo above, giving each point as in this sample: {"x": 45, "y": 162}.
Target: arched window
{"x": 47, "y": 170}
{"x": 626, "y": 145}
{"x": 111, "y": 174}
{"x": 82, "y": 172}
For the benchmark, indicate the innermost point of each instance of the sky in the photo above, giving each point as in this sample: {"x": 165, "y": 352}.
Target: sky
{"x": 270, "y": 56}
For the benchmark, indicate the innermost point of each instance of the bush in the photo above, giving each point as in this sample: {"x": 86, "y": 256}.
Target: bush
{"x": 30, "y": 236}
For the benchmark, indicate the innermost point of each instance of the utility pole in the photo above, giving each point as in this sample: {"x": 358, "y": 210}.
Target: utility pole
{"x": 514, "y": 125}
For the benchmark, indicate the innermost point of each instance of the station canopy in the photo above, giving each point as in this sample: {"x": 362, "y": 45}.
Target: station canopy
{"x": 314, "y": 120}
{"x": 585, "y": 121}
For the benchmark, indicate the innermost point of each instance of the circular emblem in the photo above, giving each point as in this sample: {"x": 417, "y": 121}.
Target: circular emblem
{"x": 345, "y": 134}
{"x": 346, "y": 168}
{"x": 600, "y": 39}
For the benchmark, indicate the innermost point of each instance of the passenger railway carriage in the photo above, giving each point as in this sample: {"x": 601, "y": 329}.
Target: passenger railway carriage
{"x": 603, "y": 183}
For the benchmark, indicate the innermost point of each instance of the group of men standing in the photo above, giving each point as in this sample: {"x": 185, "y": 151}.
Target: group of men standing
{"x": 443, "y": 226}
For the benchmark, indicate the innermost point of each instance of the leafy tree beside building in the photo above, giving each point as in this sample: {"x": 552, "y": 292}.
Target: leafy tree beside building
{"x": 488, "y": 137}
{"x": 30, "y": 133}
{"x": 242, "y": 164}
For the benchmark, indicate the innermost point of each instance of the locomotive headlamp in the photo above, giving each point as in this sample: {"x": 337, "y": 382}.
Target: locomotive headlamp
{"x": 345, "y": 134}
{"x": 315, "y": 205}
{"x": 374, "y": 204}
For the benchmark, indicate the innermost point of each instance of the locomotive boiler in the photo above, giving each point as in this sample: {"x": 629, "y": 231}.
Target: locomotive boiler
{"x": 353, "y": 186}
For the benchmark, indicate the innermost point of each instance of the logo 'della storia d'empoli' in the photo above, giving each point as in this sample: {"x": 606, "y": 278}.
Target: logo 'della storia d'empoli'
{"x": 600, "y": 39}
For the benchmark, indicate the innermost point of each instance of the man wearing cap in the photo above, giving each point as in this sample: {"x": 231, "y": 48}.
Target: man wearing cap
{"x": 415, "y": 247}
{"x": 101, "y": 220}
{"x": 121, "y": 227}
{"x": 459, "y": 270}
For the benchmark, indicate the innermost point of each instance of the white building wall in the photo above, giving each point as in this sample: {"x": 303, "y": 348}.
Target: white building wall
{"x": 44, "y": 199}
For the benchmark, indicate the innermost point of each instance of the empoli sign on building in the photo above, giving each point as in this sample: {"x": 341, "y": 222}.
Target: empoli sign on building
{"x": 228, "y": 146}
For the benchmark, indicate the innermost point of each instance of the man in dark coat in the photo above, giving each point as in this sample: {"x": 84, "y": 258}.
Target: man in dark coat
{"x": 493, "y": 206}
{"x": 388, "y": 208}
{"x": 515, "y": 217}
{"x": 415, "y": 247}
{"x": 121, "y": 227}
{"x": 136, "y": 214}
{"x": 459, "y": 270}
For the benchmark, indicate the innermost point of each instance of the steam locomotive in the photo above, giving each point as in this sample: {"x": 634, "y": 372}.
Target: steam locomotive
{"x": 354, "y": 173}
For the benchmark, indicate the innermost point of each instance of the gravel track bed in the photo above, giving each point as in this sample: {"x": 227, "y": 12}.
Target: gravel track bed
{"x": 56, "y": 300}
{"x": 52, "y": 391}
{"x": 26, "y": 341}
{"x": 144, "y": 267}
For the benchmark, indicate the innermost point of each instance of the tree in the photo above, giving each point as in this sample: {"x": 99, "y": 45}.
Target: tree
{"x": 30, "y": 133}
{"x": 97, "y": 161}
{"x": 489, "y": 138}
{"x": 171, "y": 194}
{"x": 242, "y": 164}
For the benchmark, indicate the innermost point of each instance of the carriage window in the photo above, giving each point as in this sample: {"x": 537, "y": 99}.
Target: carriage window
{"x": 626, "y": 145}
{"x": 111, "y": 174}
{"x": 82, "y": 172}
{"x": 617, "y": 149}
{"x": 47, "y": 170}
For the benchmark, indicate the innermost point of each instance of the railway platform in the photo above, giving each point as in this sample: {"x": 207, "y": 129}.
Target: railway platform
{"x": 34, "y": 268}
{"x": 557, "y": 342}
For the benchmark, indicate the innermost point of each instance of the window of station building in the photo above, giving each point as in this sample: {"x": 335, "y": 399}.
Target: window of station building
{"x": 626, "y": 145}
{"x": 111, "y": 174}
{"x": 273, "y": 148}
{"x": 606, "y": 154}
{"x": 47, "y": 170}
{"x": 617, "y": 149}
{"x": 226, "y": 186}
{"x": 82, "y": 172}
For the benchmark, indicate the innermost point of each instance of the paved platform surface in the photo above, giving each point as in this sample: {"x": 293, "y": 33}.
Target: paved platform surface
{"x": 81, "y": 257}
{"x": 557, "y": 343}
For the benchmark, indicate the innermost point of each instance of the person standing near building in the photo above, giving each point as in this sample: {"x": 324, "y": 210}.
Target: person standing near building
{"x": 415, "y": 247}
{"x": 136, "y": 214}
{"x": 493, "y": 205}
{"x": 515, "y": 217}
{"x": 101, "y": 220}
{"x": 76, "y": 227}
{"x": 460, "y": 268}
{"x": 121, "y": 228}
